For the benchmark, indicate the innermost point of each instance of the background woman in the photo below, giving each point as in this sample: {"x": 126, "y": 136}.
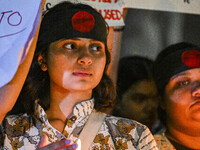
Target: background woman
{"x": 136, "y": 91}
{"x": 177, "y": 75}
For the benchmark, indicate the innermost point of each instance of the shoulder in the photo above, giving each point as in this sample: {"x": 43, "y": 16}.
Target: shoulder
{"x": 130, "y": 130}
{"x": 125, "y": 125}
{"x": 17, "y": 119}
{"x": 163, "y": 142}
{"x": 160, "y": 138}
{"x": 17, "y": 124}
{"x": 20, "y": 132}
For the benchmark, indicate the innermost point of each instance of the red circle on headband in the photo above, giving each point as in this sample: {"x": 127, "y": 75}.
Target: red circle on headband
{"x": 191, "y": 58}
{"x": 83, "y": 21}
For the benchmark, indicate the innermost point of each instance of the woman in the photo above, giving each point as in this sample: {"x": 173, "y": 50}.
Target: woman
{"x": 136, "y": 91}
{"x": 177, "y": 75}
{"x": 67, "y": 86}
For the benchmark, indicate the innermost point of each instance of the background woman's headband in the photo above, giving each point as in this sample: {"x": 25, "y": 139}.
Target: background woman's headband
{"x": 173, "y": 60}
{"x": 67, "y": 21}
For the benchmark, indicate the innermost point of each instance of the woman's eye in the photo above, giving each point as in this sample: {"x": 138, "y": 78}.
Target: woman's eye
{"x": 95, "y": 47}
{"x": 69, "y": 46}
{"x": 183, "y": 83}
{"x": 139, "y": 98}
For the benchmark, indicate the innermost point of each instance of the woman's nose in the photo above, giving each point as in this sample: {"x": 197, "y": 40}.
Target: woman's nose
{"x": 195, "y": 90}
{"x": 85, "y": 58}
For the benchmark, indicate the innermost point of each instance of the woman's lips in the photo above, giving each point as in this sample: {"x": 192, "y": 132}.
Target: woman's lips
{"x": 196, "y": 104}
{"x": 82, "y": 73}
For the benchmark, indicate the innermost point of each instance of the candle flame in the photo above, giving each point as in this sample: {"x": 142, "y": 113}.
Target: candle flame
{"x": 79, "y": 144}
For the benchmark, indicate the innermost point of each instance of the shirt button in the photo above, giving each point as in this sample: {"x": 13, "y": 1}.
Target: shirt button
{"x": 73, "y": 118}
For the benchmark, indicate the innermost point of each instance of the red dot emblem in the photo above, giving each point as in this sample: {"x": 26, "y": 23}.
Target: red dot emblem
{"x": 83, "y": 21}
{"x": 191, "y": 58}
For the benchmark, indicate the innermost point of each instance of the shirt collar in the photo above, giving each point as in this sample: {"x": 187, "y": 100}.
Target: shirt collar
{"x": 80, "y": 110}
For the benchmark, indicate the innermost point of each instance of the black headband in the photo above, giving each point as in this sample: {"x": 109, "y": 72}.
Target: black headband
{"x": 67, "y": 20}
{"x": 173, "y": 60}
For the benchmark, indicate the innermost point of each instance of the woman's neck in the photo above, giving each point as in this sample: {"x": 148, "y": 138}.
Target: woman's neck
{"x": 61, "y": 105}
{"x": 62, "y": 101}
{"x": 183, "y": 138}
{"x": 65, "y": 102}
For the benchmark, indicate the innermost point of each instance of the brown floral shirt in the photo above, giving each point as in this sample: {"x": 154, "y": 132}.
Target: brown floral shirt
{"x": 166, "y": 144}
{"x": 163, "y": 142}
{"x": 24, "y": 132}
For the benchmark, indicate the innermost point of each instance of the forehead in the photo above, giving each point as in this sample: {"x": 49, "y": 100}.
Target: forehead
{"x": 144, "y": 87}
{"x": 190, "y": 72}
{"x": 82, "y": 40}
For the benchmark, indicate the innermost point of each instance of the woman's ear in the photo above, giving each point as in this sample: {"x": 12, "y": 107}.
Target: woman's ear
{"x": 42, "y": 62}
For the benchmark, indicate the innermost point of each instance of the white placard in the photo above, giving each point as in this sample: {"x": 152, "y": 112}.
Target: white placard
{"x": 180, "y": 6}
{"x": 111, "y": 10}
{"x": 18, "y": 24}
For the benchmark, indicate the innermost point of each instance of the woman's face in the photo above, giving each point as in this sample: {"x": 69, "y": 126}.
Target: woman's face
{"x": 182, "y": 101}
{"x": 140, "y": 102}
{"x": 76, "y": 64}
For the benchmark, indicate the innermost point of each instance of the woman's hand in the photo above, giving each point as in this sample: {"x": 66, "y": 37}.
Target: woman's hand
{"x": 60, "y": 145}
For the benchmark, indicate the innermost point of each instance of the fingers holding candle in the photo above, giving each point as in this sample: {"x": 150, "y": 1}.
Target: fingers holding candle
{"x": 60, "y": 145}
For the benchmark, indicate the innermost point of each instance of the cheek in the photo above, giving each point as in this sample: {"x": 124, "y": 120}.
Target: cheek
{"x": 58, "y": 68}
{"x": 131, "y": 105}
{"x": 54, "y": 66}
{"x": 154, "y": 104}
{"x": 136, "y": 106}
{"x": 180, "y": 96}
{"x": 99, "y": 67}
{"x": 176, "y": 109}
{"x": 66, "y": 78}
{"x": 102, "y": 62}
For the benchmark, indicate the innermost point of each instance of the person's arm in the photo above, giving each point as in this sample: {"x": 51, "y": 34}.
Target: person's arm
{"x": 10, "y": 92}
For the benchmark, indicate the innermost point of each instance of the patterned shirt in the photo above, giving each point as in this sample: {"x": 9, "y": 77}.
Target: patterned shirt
{"x": 163, "y": 142}
{"x": 25, "y": 132}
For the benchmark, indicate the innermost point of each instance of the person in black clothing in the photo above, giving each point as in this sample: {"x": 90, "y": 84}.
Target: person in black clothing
{"x": 136, "y": 91}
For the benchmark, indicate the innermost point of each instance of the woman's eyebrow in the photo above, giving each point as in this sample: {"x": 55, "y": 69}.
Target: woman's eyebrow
{"x": 76, "y": 39}
{"x": 180, "y": 74}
